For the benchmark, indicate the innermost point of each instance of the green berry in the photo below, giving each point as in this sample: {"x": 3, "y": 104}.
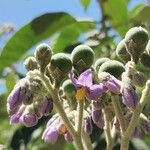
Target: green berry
{"x": 136, "y": 40}
{"x": 145, "y": 60}
{"x": 30, "y": 63}
{"x": 113, "y": 67}
{"x": 99, "y": 62}
{"x": 60, "y": 65}
{"x": 82, "y": 57}
{"x": 122, "y": 53}
{"x": 43, "y": 55}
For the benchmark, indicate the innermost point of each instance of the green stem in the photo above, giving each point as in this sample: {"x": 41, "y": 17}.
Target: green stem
{"x": 135, "y": 117}
{"x": 107, "y": 130}
{"x": 60, "y": 110}
{"x": 80, "y": 116}
{"x": 118, "y": 112}
{"x": 87, "y": 141}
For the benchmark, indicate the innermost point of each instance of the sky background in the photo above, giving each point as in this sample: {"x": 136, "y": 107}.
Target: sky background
{"x": 19, "y": 12}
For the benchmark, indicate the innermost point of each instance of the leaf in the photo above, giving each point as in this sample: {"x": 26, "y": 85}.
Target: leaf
{"x": 37, "y": 30}
{"x": 85, "y": 3}
{"x": 141, "y": 13}
{"x": 10, "y": 81}
{"x": 117, "y": 12}
{"x": 71, "y": 33}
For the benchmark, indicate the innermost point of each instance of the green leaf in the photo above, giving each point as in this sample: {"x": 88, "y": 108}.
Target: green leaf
{"x": 85, "y": 3}
{"x": 71, "y": 33}
{"x": 37, "y": 30}
{"x": 10, "y": 81}
{"x": 117, "y": 12}
{"x": 141, "y": 13}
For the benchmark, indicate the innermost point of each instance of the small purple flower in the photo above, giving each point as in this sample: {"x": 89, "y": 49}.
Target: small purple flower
{"x": 28, "y": 119}
{"x": 129, "y": 97}
{"x": 85, "y": 80}
{"x": 50, "y": 134}
{"x": 88, "y": 125}
{"x": 68, "y": 137}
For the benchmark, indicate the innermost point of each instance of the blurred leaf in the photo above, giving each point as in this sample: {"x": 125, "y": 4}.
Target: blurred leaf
{"x": 85, "y": 3}
{"x": 139, "y": 144}
{"x": 37, "y": 30}
{"x": 117, "y": 12}
{"x": 141, "y": 13}
{"x": 71, "y": 33}
{"x": 10, "y": 81}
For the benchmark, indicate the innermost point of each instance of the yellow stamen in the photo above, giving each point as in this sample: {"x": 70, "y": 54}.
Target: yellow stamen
{"x": 81, "y": 93}
{"x": 63, "y": 129}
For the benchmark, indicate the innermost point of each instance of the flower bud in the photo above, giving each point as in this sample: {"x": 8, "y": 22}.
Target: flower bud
{"x": 43, "y": 55}
{"x": 60, "y": 66}
{"x": 15, "y": 118}
{"x": 82, "y": 58}
{"x": 97, "y": 117}
{"x": 28, "y": 118}
{"x": 99, "y": 62}
{"x": 122, "y": 53}
{"x": 113, "y": 67}
{"x": 139, "y": 79}
{"x": 47, "y": 106}
{"x": 30, "y": 63}
{"x": 68, "y": 87}
{"x": 129, "y": 97}
{"x": 145, "y": 60}
{"x": 136, "y": 40}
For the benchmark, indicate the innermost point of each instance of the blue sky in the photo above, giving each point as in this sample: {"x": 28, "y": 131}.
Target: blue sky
{"x": 19, "y": 12}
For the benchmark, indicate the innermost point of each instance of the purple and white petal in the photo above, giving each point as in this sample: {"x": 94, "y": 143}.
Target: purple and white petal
{"x": 15, "y": 118}
{"x": 50, "y": 134}
{"x": 95, "y": 91}
{"x": 75, "y": 81}
{"x": 129, "y": 97}
{"x": 86, "y": 78}
{"x": 28, "y": 119}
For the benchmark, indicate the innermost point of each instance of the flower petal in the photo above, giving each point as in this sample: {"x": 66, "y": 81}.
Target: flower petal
{"x": 95, "y": 91}
{"x": 129, "y": 97}
{"x": 86, "y": 78}
{"x": 74, "y": 80}
{"x": 113, "y": 85}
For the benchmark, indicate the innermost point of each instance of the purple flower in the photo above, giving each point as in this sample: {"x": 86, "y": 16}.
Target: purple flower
{"x": 85, "y": 86}
{"x": 28, "y": 119}
{"x": 50, "y": 134}
{"x": 129, "y": 97}
{"x": 88, "y": 125}
{"x": 112, "y": 84}
{"x": 68, "y": 137}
